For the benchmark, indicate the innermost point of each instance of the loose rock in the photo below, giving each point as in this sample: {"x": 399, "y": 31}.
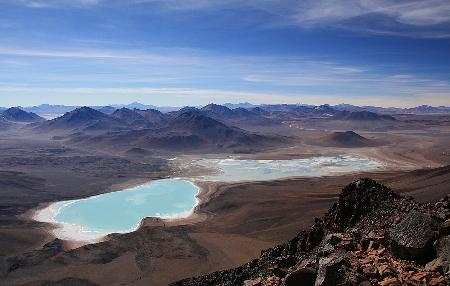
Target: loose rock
{"x": 305, "y": 276}
{"x": 412, "y": 238}
{"x": 331, "y": 270}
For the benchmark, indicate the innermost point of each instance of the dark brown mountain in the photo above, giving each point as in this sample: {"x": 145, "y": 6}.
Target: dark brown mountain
{"x": 238, "y": 116}
{"x": 190, "y": 131}
{"x": 217, "y": 111}
{"x": 83, "y": 119}
{"x": 362, "y": 116}
{"x": 154, "y": 117}
{"x": 130, "y": 117}
{"x": 347, "y": 139}
{"x": 193, "y": 129}
{"x": 197, "y": 123}
{"x": 174, "y": 114}
{"x": 16, "y": 114}
{"x": 138, "y": 119}
{"x": 106, "y": 109}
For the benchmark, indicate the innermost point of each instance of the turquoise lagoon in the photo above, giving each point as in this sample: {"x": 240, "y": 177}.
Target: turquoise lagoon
{"x": 97, "y": 216}
{"x": 94, "y": 217}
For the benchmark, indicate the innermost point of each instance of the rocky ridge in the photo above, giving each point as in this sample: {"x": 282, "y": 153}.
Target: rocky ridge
{"x": 371, "y": 236}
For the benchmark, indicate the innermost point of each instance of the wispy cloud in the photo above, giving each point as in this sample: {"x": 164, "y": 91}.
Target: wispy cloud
{"x": 54, "y": 3}
{"x": 163, "y": 56}
{"x": 185, "y": 76}
{"x": 373, "y": 83}
{"x": 63, "y": 53}
{"x": 347, "y": 70}
{"x": 416, "y": 13}
{"x": 412, "y": 18}
{"x": 416, "y": 18}
{"x": 134, "y": 65}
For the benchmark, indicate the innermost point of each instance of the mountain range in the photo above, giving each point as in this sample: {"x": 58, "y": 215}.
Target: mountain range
{"x": 88, "y": 119}
{"x": 191, "y": 129}
{"x": 52, "y": 111}
{"x": 213, "y": 126}
{"x": 82, "y": 119}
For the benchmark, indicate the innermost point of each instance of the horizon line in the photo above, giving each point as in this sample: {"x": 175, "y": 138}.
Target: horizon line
{"x": 222, "y": 104}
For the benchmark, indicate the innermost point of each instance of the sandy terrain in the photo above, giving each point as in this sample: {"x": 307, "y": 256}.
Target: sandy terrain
{"x": 232, "y": 224}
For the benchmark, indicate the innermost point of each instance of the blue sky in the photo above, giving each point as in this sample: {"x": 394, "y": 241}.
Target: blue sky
{"x": 192, "y": 52}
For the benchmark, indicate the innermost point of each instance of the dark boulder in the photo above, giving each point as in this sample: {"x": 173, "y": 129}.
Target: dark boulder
{"x": 445, "y": 228}
{"x": 443, "y": 252}
{"x": 332, "y": 270}
{"x": 413, "y": 237}
{"x": 304, "y": 276}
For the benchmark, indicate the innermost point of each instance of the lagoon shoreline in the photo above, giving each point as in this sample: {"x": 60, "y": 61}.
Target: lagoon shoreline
{"x": 213, "y": 223}
{"x": 76, "y": 235}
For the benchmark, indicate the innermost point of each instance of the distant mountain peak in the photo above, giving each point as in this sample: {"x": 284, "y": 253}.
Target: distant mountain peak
{"x": 195, "y": 120}
{"x": 17, "y": 114}
{"x": 84, "y": 113}
{"x": 187, "y": 109}
{"x": 217, "y": 109}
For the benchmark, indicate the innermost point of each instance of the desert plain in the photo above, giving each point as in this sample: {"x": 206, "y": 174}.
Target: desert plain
{"x": 85, "y": 153}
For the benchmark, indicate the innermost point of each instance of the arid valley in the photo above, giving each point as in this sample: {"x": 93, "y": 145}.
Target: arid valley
{"x": 91, "y": 151}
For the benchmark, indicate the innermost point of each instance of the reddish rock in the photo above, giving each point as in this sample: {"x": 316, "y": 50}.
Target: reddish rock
{"x": 254, "y": 282}
{"x": 370, "y": 271}
{"x": 436, "y": 281}
{"x": 434, "y": 265}
{"x": 389, "y": 282}
{"x": 384, "y": 270}
{"x": 419, "y": 276}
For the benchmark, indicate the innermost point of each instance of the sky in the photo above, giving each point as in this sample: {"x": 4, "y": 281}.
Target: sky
{"x": 194, "y": 52}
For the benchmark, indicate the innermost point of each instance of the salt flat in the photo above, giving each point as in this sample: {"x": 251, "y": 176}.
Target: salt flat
{"x": 229, "y": 170}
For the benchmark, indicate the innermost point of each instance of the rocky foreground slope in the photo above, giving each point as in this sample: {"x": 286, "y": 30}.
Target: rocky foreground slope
{"x": 371, "y": 236}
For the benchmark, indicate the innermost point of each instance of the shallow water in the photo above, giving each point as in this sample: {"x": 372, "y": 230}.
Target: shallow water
{"x": 92, "y": 218}
{"x": 122, "y": 211}
{"x": 259, "y": 170}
